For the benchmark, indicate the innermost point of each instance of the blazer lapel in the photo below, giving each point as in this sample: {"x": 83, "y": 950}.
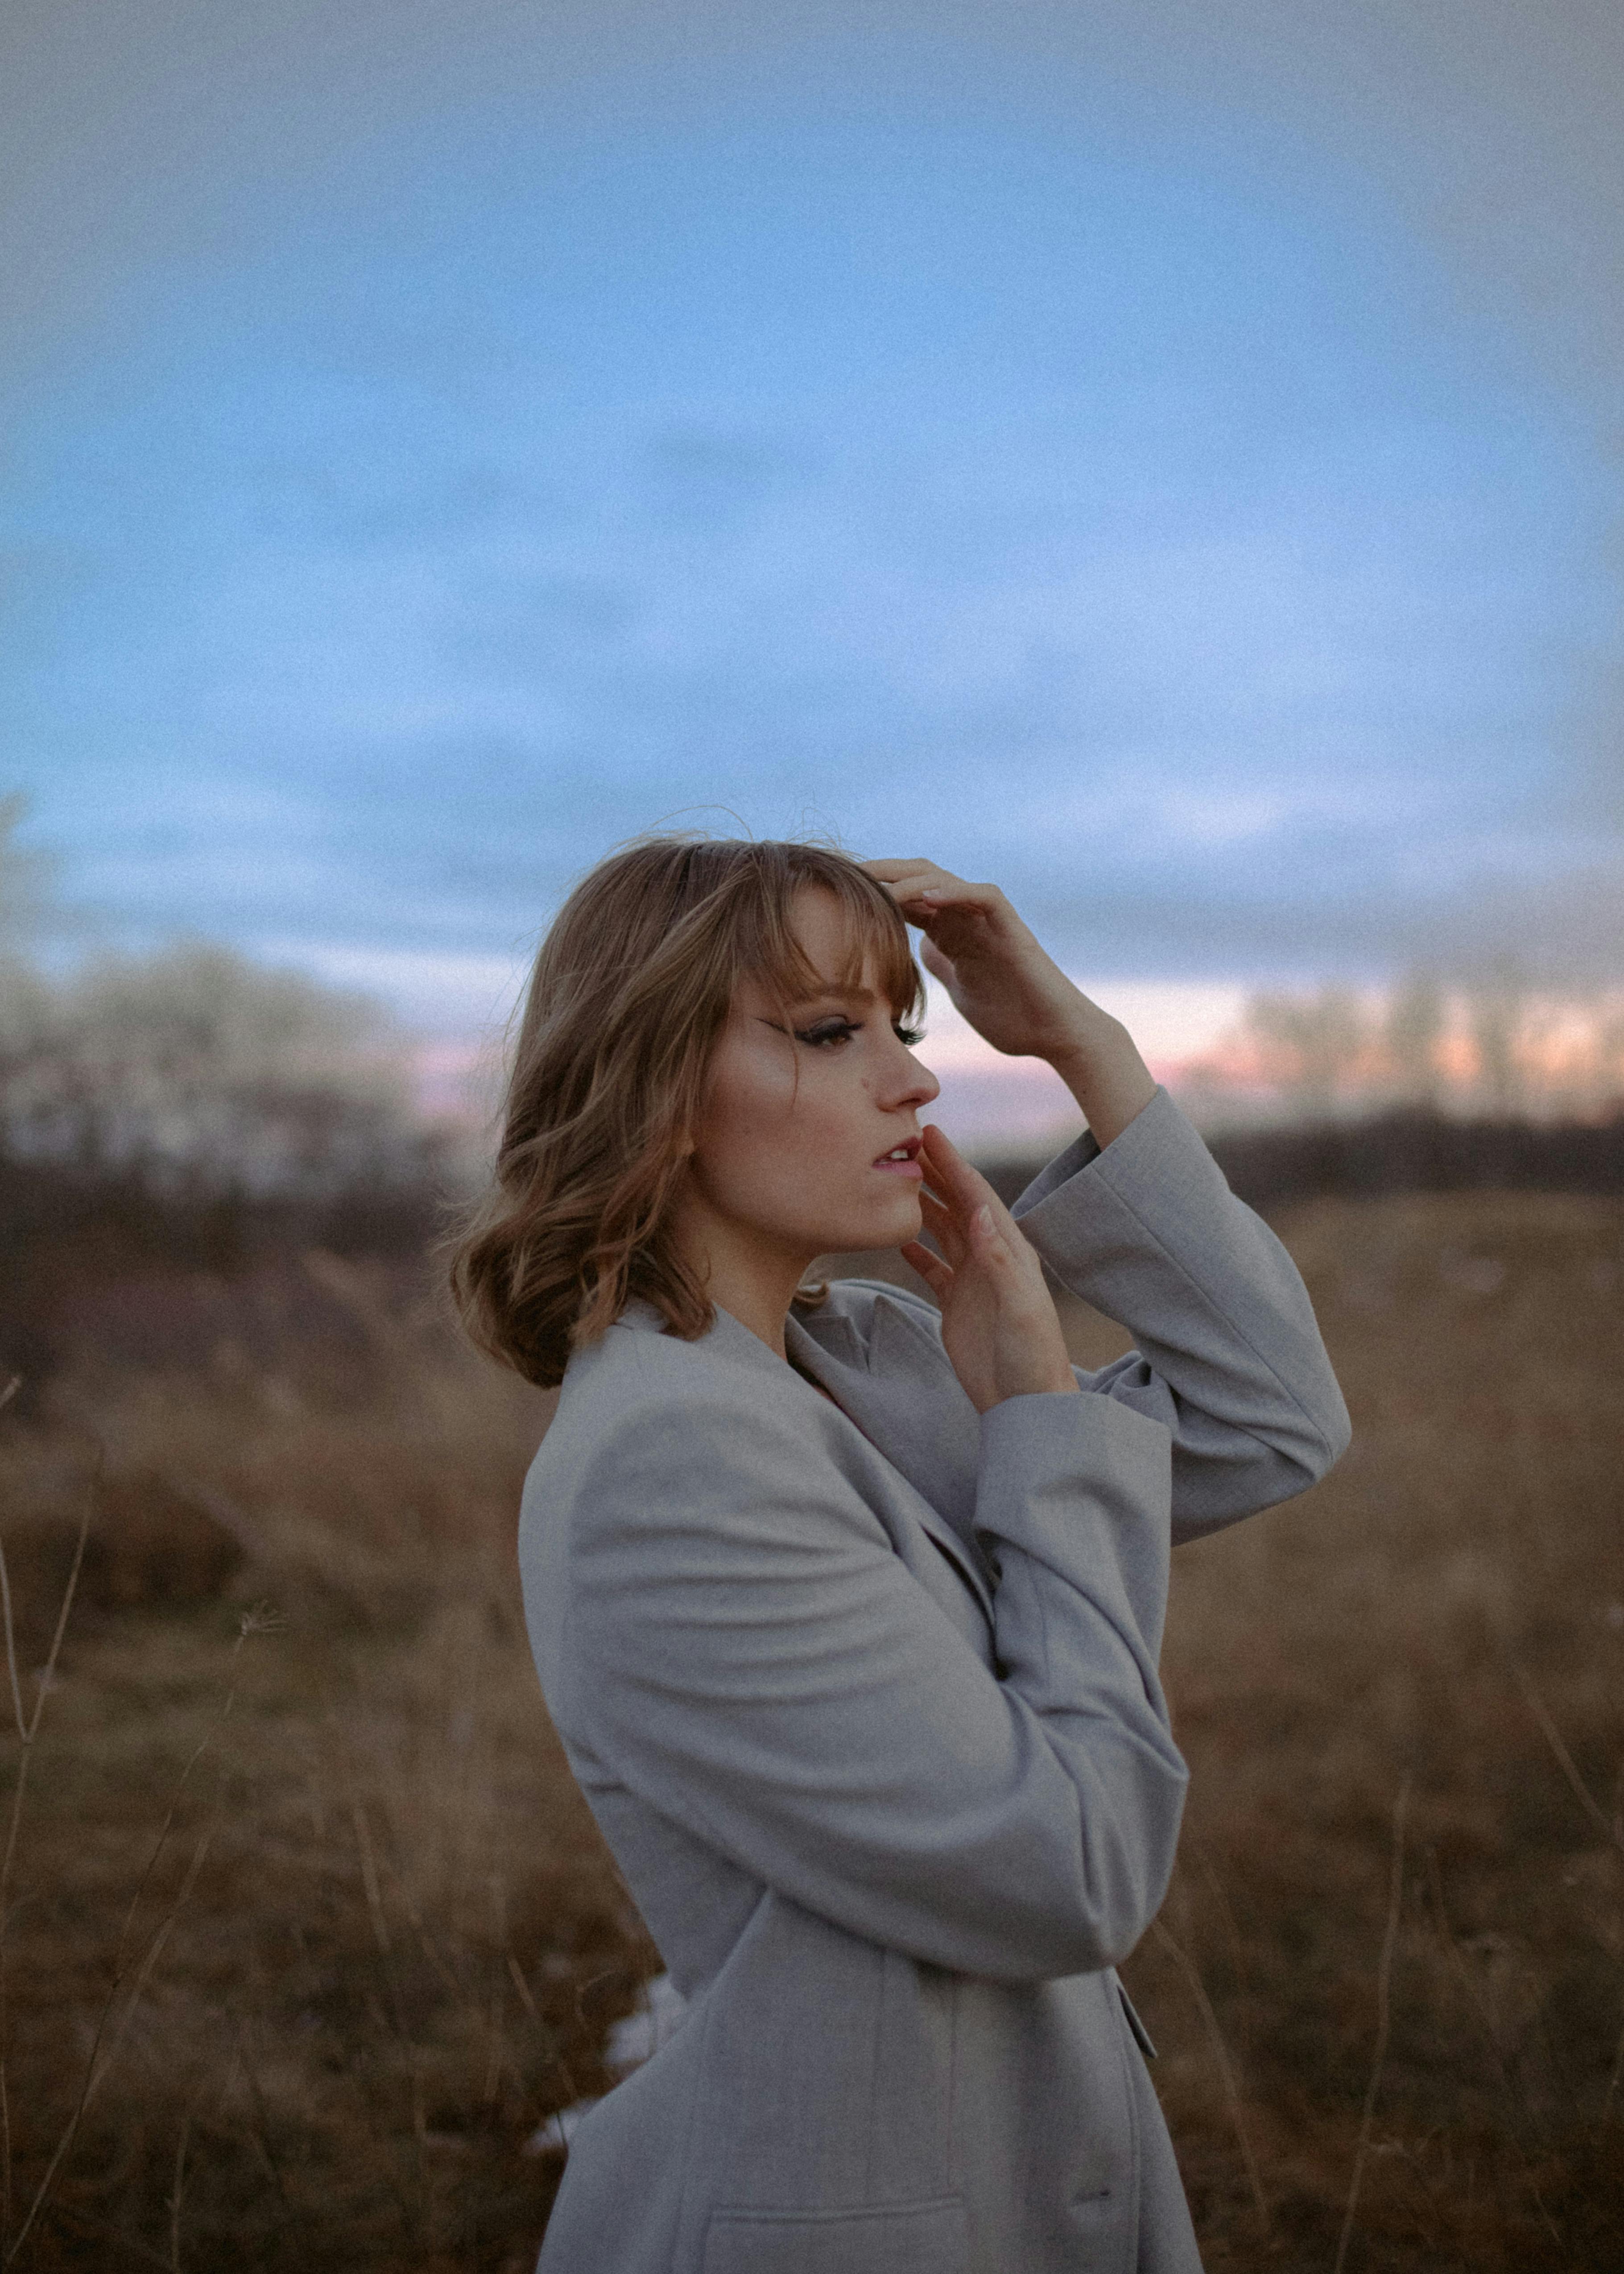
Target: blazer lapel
{"x": 909, "y": 1405}
{"x": 916, "y": 1416}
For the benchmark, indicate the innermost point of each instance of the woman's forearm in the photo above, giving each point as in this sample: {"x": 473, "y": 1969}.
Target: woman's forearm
{"x": 1101, "y": 1066}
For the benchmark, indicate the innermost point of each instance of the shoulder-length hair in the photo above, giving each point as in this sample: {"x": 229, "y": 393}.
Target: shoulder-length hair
{"x": 629, "y": 993}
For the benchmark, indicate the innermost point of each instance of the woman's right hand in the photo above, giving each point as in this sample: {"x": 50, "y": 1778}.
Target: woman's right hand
{"x": 999, "y": 1324}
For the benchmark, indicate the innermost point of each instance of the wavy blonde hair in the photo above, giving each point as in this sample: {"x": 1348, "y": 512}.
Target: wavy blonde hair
{"x": 629, "y": 995}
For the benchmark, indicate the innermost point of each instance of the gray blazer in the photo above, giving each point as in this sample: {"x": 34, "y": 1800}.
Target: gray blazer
{"x": 866, "y": 1705}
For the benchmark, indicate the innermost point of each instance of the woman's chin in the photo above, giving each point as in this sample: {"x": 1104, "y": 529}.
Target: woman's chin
{"x": 889, "y": 1227}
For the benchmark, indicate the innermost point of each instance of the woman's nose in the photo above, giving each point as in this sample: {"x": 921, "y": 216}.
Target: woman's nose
{"x": 915, "y": 1084}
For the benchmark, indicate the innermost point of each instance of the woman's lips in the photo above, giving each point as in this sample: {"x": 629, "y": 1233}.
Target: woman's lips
{"x": 909, "y": 1166}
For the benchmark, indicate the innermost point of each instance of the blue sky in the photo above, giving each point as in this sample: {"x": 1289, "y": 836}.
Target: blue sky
{"x": 1100, "y": 479}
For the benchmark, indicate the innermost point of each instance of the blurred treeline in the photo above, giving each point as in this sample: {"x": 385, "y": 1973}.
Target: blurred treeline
{"x": 1409, "y": 1150}
{"x": 1493, "y": 1044}
{"x": 188, "y": 1111}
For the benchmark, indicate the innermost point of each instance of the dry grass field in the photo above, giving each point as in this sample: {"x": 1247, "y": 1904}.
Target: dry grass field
{"x": 308, "y": 1932}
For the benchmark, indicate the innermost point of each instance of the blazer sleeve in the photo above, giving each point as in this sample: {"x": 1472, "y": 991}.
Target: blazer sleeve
{"x": 754, "y": 1660}
{"x": 1228, "y": 1355}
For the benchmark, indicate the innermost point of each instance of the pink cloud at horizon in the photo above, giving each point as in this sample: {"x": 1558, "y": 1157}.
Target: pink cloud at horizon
{"x": 1526, "y": 1052}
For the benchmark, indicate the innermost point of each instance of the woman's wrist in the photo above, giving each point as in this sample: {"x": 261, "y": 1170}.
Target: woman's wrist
{"x": 1100, "y": 1064}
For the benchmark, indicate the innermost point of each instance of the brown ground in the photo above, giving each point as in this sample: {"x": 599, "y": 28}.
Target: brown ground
{"x": 300, "y": 1999}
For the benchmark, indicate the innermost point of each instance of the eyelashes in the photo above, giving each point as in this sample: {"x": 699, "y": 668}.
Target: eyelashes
{"x": 841, "y": 1030}
{"x": 828, "y": 1032}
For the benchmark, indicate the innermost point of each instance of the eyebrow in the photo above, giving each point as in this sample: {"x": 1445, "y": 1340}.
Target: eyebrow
{"x": 798, "y": 1005}
{"x": 834, "y": 994}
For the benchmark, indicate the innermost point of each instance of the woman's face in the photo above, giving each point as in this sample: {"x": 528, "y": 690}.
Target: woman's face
{"x": 794, "y": 1153}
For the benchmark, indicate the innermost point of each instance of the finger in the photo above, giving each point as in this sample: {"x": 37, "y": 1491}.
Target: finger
{"x": 963, "y": 1189}
{"x": 892, "y": 872}
{"x": 943, "y": 1226}
{"x": 938, "y": 965}
{"x": 963, "y": 1204}
{"x": 937, "y": 1208}
{"x": 990, "y": 1245}
{"x": 905, "y": 880}
{"x": 937, "y": 1275}
{"x": 947, "y": 1175}
{"x": 928, "y": 887}
{"x": 949, "y": 1229}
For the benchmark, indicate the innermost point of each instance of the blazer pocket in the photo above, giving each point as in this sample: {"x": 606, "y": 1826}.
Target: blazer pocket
{"x": 912, "y": 2238}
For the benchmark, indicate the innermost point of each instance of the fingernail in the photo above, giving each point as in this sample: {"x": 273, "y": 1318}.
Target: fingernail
{"x": 983, "y": 1216}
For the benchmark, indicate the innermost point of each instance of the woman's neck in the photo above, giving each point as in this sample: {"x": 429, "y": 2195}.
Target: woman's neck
{"x": 761, "y": 1308}
{"x": 755, "y": 1282}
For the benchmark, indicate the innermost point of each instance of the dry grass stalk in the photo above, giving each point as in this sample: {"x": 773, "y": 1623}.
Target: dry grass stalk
{"x": 98, "y": 2065}
{"x": 27, "y": 1731}
{"x": 1384, "y": 1990}
{"x": 1491, "y": 2041}
{"x": 1611, "y": 1829}
{"x": 1191, "y": 1973}
{"x": 177, "y": 2191}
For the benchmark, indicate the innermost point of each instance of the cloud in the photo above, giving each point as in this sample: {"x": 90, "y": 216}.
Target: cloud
{"x": 428, "y": 511}
{"x": 1493, "y": 126}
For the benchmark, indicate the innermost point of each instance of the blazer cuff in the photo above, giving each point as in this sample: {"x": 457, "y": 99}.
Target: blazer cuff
{"x": 1158, "y": 1167}
{"x": 1150, "y": 1232}
{"x": 1064, "y": 1167}
{"x": 1083, "y": 1484}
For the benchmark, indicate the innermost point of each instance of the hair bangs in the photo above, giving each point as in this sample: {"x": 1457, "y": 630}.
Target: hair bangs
{"x": 875, "y": 949}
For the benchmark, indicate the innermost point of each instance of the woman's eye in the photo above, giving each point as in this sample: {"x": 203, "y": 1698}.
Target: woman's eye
{"x": 832, "y": 1030}
{"x": 909, "y": 1036}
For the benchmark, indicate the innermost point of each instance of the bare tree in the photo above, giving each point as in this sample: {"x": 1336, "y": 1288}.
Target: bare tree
{"x": 1496, "y": 1002}
{"x": 1414, "y": 1028}
{"x": 1310, "y": 1045}
{"x": 196, "y": 1069}
{"x": 1610, "y": 1061}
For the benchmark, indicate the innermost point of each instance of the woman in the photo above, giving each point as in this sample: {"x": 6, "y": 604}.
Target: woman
{"x": 847, "y": 1605}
